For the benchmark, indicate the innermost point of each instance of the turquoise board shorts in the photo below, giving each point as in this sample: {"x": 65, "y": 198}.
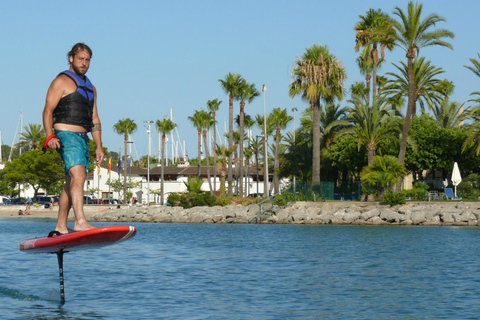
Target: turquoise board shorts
{"x": 74, "y": 150}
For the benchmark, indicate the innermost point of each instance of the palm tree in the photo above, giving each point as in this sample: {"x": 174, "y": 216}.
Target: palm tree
{"x": 246, "y": 93}
{"x": 223, "y": 153}
{"x": 213, "y": 106}
{"x": 385, "y": 172}
{"x": 280, "y": 120}
{"x": 365, "y": 64}
{"x": 32, "y": 135}
{"x": 370, "y": 124}
{"x": 125, "y": 127}
{"x": 230, "y": 86}
{"x": 197, "y": 122}
{"x": 450, "y": 114}
{"x": 333, "y": 112}
{"x": 428, "y": 89}
{"x": 412, "y": 34}
{"x": 317, "y": 75}
{"x": 374, "y": 30}
{"x": 164, "y": 127}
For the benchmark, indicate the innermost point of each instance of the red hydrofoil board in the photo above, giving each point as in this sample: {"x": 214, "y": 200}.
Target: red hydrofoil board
{"x": 82, "y": 240}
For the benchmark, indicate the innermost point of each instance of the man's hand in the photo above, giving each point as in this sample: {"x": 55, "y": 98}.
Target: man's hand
{"x": 100, "y": 155}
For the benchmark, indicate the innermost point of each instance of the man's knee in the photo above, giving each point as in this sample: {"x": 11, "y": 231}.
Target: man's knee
{"x": 77, "y": 173}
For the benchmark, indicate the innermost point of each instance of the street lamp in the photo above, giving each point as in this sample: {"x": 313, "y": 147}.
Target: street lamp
{"x": 266, "y": 191}
{"x": 148, "y": 159}
{"x": 256, "y": 157}
{"x": 294, "y": 187}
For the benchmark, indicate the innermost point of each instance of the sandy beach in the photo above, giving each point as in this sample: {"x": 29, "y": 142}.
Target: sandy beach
{"x": 7, "y": 211}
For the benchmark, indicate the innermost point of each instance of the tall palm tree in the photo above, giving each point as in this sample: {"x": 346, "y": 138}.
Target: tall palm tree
{"x": 260, "y": 124}
{"x": 206, "y": 123}
{"x": 429, "y": 90}
{"x": 197, "y": 122}
{"x": 317, "y": 75}
{"x": 164, "y": 127}
{"x": 246, "y": 93}
{"x": 32, "y": 135}
{"x": 230, "y": 86}
{"x": 365, "y": 64}
{"x": 280, "y": 120}
{"x": 213, "y": 106}
{"x": 374, "y": 30}
{"x": 370, "y": 124}
{"x": 412, "y": 34}
{"x": 125, "y": 127}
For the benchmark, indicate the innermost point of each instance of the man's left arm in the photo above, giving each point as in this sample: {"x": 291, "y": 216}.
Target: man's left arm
{"x": 97, "y": 130}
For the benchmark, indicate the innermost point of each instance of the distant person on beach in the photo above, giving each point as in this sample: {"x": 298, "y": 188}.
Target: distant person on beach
{"x": 70, "y": 112}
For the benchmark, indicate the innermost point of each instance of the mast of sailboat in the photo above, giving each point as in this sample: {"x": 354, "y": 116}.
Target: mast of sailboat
{"x": 19, "y": 128}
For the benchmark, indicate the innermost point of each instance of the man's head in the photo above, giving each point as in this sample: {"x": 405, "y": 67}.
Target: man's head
{"x": 79, "y": 58}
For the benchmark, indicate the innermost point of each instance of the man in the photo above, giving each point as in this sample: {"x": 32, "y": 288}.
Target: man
{"x": 70, "y": 112}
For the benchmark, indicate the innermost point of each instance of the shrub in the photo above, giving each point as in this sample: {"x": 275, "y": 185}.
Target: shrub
{"x": 393, "y": 199}
{"x": 203, "y": 199}
{"x": 178, "y": 200}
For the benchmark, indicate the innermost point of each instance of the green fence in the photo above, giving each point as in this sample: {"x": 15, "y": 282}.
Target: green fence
{"x": 325, "y": 191}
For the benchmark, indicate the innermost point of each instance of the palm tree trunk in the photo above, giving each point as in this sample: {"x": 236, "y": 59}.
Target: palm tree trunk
{"x": 408, "y": 116}
{"x": 162, "y": 164}
{"x": 214, "y": 154}
{"x": 199, "y": 151}
{"x": 125, "y": 171}
{"x": 276, "y": 165}
{"x": 230, "y": 144}
{"x": 208, "y": 160}
{"x": 374, "y": 73}
{"x": 240, "y": 162}
{"x": 316, "y": 144}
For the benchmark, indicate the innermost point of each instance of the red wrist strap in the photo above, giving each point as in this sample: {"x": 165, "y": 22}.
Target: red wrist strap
{"x": 45, "y": 145}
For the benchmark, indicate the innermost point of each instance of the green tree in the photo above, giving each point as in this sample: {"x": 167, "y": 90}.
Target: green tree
{"x": 280, "y": 119}
{"x": 317, "y": 76}
{"x": 374, "y": 31}
{"x": 413, "y": 34}
{"x": 449, "y": 114}
{"x": 125, "y": 127}
{"x": 164, "y": 127}
{"x": 32, "y": 136}
{"x": 385, "y": 172}
{"x": 428, "y": 89}
{"x": 370, "y": 125}
{"x": 35, "y": 169}
{"x": 223, "y": 153}
{"x": 213, "y": 106}
{"x": 246, "y": 93}
{"x": 231, "y": 85}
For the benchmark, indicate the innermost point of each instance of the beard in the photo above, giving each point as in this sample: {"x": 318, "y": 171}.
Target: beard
{"x": 79, "y": 71}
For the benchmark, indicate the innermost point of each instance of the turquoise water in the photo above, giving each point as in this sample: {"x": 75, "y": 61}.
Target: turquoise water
{"x": 181, "y": 271}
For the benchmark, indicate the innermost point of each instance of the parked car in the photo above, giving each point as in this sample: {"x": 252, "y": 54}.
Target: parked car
{"x": 3, "y": 199}
{"x": 15, "y": 201}
{"x": 43, "y": 201}
{"x": 87, "y": 200}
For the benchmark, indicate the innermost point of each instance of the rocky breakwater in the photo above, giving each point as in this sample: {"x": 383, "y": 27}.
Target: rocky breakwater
{"x": 339, "y": 213}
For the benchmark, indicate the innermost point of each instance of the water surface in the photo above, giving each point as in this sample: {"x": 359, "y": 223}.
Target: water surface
{"x": 183, "y": 271}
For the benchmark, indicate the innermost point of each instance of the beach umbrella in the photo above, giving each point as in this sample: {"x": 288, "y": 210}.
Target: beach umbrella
{"x": 456, "y": 177}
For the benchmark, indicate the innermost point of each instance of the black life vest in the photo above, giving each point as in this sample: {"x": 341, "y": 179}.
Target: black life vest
{"x": 77, "y": 107}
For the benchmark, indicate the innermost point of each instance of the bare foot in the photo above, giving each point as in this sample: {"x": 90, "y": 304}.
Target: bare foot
{"x": 83, "y": 226}
{"x": 64, "y": 230}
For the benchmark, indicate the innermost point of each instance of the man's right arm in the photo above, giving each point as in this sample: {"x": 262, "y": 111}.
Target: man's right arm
{"x": 54, "y": 94}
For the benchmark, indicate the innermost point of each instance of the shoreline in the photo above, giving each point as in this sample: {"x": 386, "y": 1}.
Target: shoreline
{"x": 452, "y": 213}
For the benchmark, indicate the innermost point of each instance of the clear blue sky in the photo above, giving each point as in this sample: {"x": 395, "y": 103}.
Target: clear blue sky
{"x": 150, "y": 56}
